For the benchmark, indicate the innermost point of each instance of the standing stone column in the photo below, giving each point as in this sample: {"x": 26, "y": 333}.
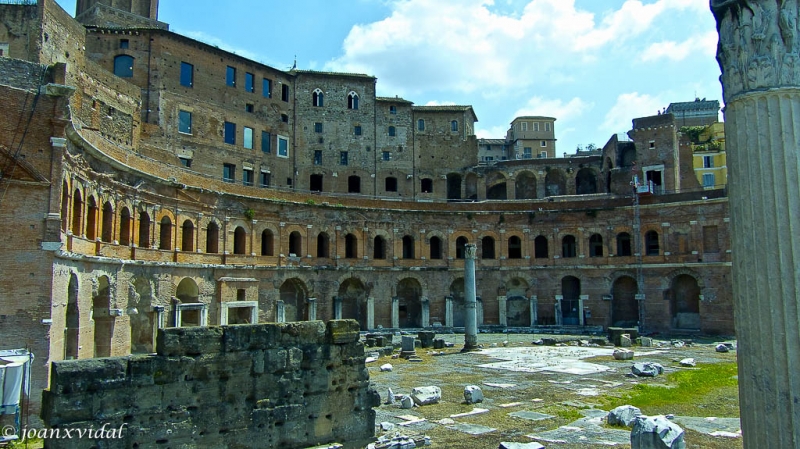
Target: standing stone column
{"x": 448, "y": 311}
{"x": 534, "y": 304}
{"x": 370, "y": 313}
{"x": 758, "y": 55}
{"x": 559, "y": 313}
{"x": 502, "y": 305}
{"x": 581, "y": 302}
{"x": 337, "y": 308}
{"x": 280, "y": 312}
{"x": 470, "y": 300}
{"x": 426, "y": 312}
{"x": 312, "y": 309}
{"x": 395, "y": 312}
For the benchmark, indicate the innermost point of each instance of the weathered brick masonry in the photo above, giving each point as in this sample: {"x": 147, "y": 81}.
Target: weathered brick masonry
{"x": 248, "y": 386}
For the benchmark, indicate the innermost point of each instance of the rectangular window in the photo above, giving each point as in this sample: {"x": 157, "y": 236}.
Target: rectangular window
{"x": 264, "y": 181}
{"x": 709, "y": 180}
{"x": 249, "y": 107}
{"x": 266, "y": 142}
{"x": 357, "y": 130}
{"x": 230, "y": 133}
{"x": 247, "y": 176}
{"x": 420, "y": 125}
{"x": 652, "y": 144}
{"x": 708, "y": 161}
{"x": 283, "y": 147}
{"x": 524, "y": 126}
{"x": 343, "y": 158}
{"x": 393, "y": 110}
{"x": 387, "y": 156}
{"x": 544, "y": 144}
{"x": 547, "y": 127}
{"x": 285, "y": 92}
{"x": 228, "y": 172}
{"x": 187, "y": 74}
{"x": 527, "y": 153}
{"x": 317, "y": 157}
{"x": 285, "y": 118}
{"x": 186, "y": 162}
{"x": 185, "y": 122}
{"x": 124, "y": 43}
{"x": 230, "y": 76}
{"x": 248, "y": 138}
{"x": 266, "y": 88}
{"x": 536, "y": 126}
{"x": 318, "y": 127}
{"x": 249, "y": 82}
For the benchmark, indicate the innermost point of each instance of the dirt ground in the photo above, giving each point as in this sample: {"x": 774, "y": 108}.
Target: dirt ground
{"x": 564, "y": 397}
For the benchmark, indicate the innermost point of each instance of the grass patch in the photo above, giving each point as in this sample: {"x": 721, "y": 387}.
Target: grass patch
{"x": 682, "y": 387}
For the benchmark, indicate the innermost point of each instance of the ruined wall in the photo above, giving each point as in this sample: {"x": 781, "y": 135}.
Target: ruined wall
{"x": 268, "y": 385}
{"x": 19, "y": 28}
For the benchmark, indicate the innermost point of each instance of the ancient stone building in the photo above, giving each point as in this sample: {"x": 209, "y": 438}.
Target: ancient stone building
{"x": 150, "y": 180}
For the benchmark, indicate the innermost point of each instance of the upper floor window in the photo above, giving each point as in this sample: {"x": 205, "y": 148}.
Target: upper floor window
{"x": 249, "y": 82}
{"x": 185, "y": 122}
{"x": 392, "y": 131}
{"x": 547, "y": 127}
{"x": 386, "y": 156}
{"x": 527, "y": 153}
{"x": 524, "y": 126}
{"x": 352, "y": 100}
{"x": 426, "y": 185}
{"x": 708, "y": 161}
{"x": 536, "y": 126}
{"x": 230, "y": 76}
{"x": 393, "y": 110}
{"x": 230, "y": 133}
{"x": 283, "y": 147}
{"x": 318, "y": 127}
{"x": 343, "y": 158}
{"x": 544, "y": 144}
{"x": 709, "y": 180}
{"x": 124, "y": 43}
{"x": 317, "y": 157}
{"x": 228, "y": 172}
{"x": 357, "y": 130}
{"x": 123, "y": 66}
{"x": 187, "y": 74}
{"x": 285, "y": 92}
{"x": 391, "y": 184}
{"x": 421, "y": 125}
{"x": 247, "y": 176}
{"x": 266, "y": 88}
{"x": 248, "y": 138}
{"x": 317, "y": 98}
{"x": 454, "y": 125}
{"x": 266, "y": 142}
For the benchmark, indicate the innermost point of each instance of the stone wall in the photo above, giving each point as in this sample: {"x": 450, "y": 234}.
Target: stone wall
{"x": 267, "y": 385}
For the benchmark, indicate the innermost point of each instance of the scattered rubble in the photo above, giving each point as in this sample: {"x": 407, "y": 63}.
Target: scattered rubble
{"x": 426, "y": 395}
{"x": 623, "y": 354}
{"x": 656, "y": 432}
{"x": 473, "y": 394}
{"x": 688, "y": 362}
{"x": 722, "y": 348}
{"x": 386, "y": 367}
{"x": 647, "y": 369}
{"x": 624, "y": 415}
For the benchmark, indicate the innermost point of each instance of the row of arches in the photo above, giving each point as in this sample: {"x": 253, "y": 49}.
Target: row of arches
{"x": 526, "y": 184}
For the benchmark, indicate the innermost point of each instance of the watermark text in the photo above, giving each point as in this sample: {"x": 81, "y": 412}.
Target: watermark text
{"x": 106, "y": 432}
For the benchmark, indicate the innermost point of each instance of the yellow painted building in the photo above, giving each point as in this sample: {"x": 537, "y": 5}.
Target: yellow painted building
{"x": 709, "y": 158}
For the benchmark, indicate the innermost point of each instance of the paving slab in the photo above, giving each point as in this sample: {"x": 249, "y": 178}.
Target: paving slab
{"x": 593, "y": 413}
{"x": 503, "y": 386}
{"x": 475, "y": 411}
{"x": 709, "y": 425}
{"x": 511, "y": 404}
{"x": 566, "y": 359}
{"x": 531, "y": 416}
{"x": 591, "y": 434}
{"x": 472, "y": 429}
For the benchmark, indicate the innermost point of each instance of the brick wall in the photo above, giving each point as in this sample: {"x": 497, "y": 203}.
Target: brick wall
{"x": 268, "y": 385}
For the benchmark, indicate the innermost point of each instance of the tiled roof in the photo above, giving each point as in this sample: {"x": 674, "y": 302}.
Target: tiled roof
{"x": 447, "y": 108}
{"x": 317, "y": 72}
{"x": 697, "y": 105}
{"x": 394, "y": 100}
{"x": 491, "y": 141}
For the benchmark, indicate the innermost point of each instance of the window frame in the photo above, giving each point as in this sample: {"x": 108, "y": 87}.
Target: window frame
{"x": 357, "y": 131}
{"x": 128, "y": 72}
{"x": 283, "y": 152}
{"x": 247, "y": 177}
{"x": 230, "y": 76}
{"x": 187, "y": 75}
{"x": 229, "y": 133}
{"x": 229, "y": 172}
{"x": 421, "y": 124}
{"x": 266, "y": 87}
{"x": 181, "y": 114}
{"x": 266, "y": 136}
{"x": 454, "y": 126}
{"x": 344, "y": 158}
{"x": 249, "y": 82}
{"x": 317, "y": 157}
{"x": 392, "y": 131}
{"x": 247, "y": 143}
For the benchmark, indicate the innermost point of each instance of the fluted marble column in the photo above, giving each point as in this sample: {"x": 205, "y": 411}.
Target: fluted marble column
{"x": 758, "y": 55}
{"x": 470, "y": 300}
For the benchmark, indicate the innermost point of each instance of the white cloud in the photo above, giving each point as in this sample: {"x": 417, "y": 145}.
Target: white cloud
{"x": 704, "y": 44}
{"x": 494, "y": 132}
{"x": 219, "y": 43}
{"x": 557, "y": 108}
{"x": 629, "y": 106}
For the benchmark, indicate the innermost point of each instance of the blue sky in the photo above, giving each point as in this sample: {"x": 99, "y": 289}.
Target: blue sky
{"x": 593, "y": 64}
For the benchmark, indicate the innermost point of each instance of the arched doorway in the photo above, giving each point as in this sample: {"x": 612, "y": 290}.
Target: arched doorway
{"x": 212, "y": 238}
{"x": 496, "y": 187}
{"x": 188, "y": 293}
{"x": 585, "y": 182}
{"x": 685, "y": 302}
{"x": 624, "y": 306}
{"x": 187, "y": 236}
{"x": 165, "y": 234}
{"x": 103, "y": 321}
{"x": 353, "y": 296}
{"x": 143, "y": 318}
{"x": 571, "y": 291}
{"x": 525, "y": 186}
{"x": 459, "y": 300}
{"x": 471, "y": 187}
{"x": 518, "y": 307}
{"x": 107, "y": 231}
{"x": 453, "y": 186}
{"x": 239, "y": 240}
{"x": 77, "y": 213}
{"x": 73, "y": 321}
{"x": 294, "y": 296}
{"x": 555, "y": 183}
{"x": 91, "y": 219}
{"x": 409, "y": 292}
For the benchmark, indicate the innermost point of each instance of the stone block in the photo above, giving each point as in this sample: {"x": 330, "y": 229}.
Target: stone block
{"x": 302, "y": 333}
{"x": 646, "y": 342}
{"x": 656, "y": 432}
{"x": 624, "y": 415}
{"x": 343, "y": 331}
{"x": 249, "y": 337}
{"x": 87, "y": 375}
{"x": 647, "y": 369}
{"x": 426, "y": 338}
{"x": 625, "y": 341}
{"x": 438, "y": 343}
{"x": 408, "y": 344}
{"x": 176, "y": 341}
{"x": 426, "y": 395}
{"x": 473, "y": 394}
{"x": 623, "y": 354}
{"x": 614, "y": 334}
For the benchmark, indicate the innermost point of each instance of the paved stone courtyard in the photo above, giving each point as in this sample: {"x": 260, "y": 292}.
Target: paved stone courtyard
{"x": 556, "y": 396}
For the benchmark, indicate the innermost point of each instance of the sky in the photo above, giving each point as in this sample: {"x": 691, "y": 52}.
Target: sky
{"x": 594, "y": 65}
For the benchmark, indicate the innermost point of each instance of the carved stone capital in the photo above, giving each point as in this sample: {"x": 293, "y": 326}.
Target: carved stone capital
{"x": 470, "y": 251}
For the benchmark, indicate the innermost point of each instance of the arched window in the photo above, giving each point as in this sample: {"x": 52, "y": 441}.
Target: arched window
{"x": 352, "y": 100}
{"x": 144, "y": 230}
{"x": 91, "y": 219}
{"x": 514, "y": 247}
{"x": 436, "y": 248}
{"x": 107, "y": 233}
{"x": 426, "y": 185}
{"x": 323, "y": 245}
{"x": 461, "y": 244}
{"x": 651, "y": 243}
{"x": 125, "y": 227}
{"x": 295, "y": 244}
{"x": 568, "y": 247}
{"x": 267, "y": 243}
{"x": 408, "y": 247}
{"x": 239, "y": 240}
{"x": 165, "y": 234}
{"x": 624, "y": 244}
{"x": 596, "y": 245}
{"x": 317, "y": 98}
{"x": 454, "y": 126}
{"x": 392, "y": 131}
{"x": 540, "y": 248}
{"x": 123, "y": 66}
{"x": 212, "y": 238}
{"x": 379, "y": 248}
{"x": 187, "y": 236}
{"x": 77, "y": 213}
{"x": 350, "y": 247}
{"x": 487, "y": 248}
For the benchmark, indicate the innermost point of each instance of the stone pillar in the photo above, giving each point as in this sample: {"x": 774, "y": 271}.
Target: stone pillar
{"x": 534, "y": 304}
{"x": 502, "y": 305}
{"x": 395, "y": 312}
{"x": 370, "y": 313}
{"x": 280, "y": 312}
{"x": 337, "y": 308}
{"x": 448, "y": 311}
{"x": 426, "y": 311}
{"x": 312, "y": 309}
{"x": 581, "y": 300}
{"x": 758, "y": 55}
{"x": 559, "y": 314}
{"x": 479, "y": 309}
{"x": 470, "y": 300}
